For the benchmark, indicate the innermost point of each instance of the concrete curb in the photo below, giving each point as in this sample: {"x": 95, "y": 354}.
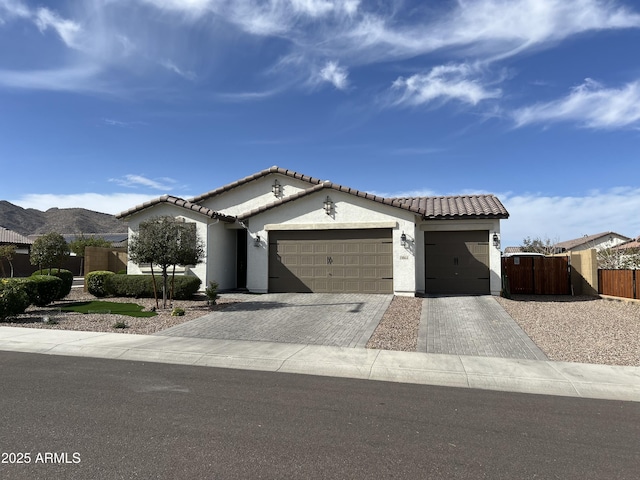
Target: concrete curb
{"x": 510, "y": 375}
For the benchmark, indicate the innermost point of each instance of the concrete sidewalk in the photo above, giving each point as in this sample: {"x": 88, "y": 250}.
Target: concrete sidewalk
{"x": 512, "y": 375}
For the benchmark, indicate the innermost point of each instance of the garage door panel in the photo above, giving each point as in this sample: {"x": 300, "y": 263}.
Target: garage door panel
{"x": 343, "y": 261}
{"x": 457, "y": 262}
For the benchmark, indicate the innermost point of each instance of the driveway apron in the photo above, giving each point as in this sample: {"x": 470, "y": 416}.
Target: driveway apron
{"x": 343, "y": 320}
{"x": 472, "y": 325}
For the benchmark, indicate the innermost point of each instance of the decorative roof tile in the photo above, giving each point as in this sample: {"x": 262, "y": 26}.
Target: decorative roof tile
{"x": 467, "y": 206}
{"x": 255, "y": 176}
{"x": 486, "y": 206}
{"x": 180, "y": 203}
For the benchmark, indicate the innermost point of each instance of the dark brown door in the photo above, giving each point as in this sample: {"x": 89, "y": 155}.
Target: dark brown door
{"x": 457, "y": 262}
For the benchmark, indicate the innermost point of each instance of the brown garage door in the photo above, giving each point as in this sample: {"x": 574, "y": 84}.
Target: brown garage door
{"x": 457, "y": 262}
{"x": 321, "y": 261}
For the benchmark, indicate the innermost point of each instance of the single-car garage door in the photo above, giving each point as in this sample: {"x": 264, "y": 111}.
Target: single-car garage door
{"x": 329, "y": 261}
{"x": 457, "y": 262}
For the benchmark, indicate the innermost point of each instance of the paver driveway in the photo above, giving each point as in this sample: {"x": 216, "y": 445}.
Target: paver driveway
{"x": 344, "y": 320}
{"x": 473, "y": 325}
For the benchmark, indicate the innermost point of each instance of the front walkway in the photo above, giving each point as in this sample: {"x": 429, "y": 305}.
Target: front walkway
{"x": 341, "y": 320}
{"x": 472, "y": 325}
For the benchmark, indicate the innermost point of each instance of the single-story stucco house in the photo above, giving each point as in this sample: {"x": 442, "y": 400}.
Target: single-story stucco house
{"x": 281, "y": 231}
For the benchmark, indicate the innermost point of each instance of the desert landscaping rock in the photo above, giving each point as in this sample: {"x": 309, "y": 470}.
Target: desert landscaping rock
{"x": 579, "y": 329}
{"x": 398, "y": 329}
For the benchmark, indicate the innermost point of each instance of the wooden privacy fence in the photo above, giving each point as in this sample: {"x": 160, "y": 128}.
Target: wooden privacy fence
{"x": 619, "y": 283}
{"x": 537, "y": 275}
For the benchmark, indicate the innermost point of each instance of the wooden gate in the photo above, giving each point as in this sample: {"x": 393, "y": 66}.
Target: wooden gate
{"x": 537, "y": 275}
{"x": 619, "y": 283}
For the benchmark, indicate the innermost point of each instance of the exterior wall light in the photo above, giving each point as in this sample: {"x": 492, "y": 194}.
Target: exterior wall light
{"x": 328, "y": 206}
{"x": 403, "y": 239}
{"x": 496, "y": 240}
{"x": 257, "y": 242}
{"x": 276, "y": 188}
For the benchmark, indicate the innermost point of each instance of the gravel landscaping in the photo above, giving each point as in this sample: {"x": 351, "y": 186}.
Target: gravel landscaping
{"x": 398, "y": 329}
{"x": 579, "y": 329}
{"x": 104, "y": 322}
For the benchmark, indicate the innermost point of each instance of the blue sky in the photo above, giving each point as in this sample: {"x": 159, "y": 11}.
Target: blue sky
{"x": 105, "y": 104}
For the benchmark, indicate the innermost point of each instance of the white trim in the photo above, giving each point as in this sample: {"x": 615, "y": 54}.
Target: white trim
{"x": 329, "y": 226}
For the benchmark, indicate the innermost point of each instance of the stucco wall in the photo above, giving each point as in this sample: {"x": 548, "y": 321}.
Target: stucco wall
{"x": 253, "y": 194}
{"x": 608, "y": 241}
{"x": 202, "y": 227}
{"x": 349, "y": 212}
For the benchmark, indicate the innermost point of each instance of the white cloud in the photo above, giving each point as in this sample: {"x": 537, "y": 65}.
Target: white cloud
{"x": 510, "y": 26}
{"x": 111, "y": 203}
{"x": 79, "y": 78}
{"x": 141, "y": 181}
{"x": 446, "y": 82}
{"x": 169, "y": 65}
{"x": 564, "y": 218}
{"x": 66, "y": 29}
{"x": 489, "y": 29}
{"x": 335, "y": 74}
{"x": 591, "y": 105}
{"x": 10, "y": 9}
{"x": 130, "y": 39}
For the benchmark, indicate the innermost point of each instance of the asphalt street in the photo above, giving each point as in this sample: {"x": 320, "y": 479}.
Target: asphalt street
{"x": 80, "y": 418}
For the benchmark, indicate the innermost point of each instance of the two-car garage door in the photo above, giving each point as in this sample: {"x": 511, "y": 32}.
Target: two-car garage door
{"x": 325, "y": 261}
{"x": 457, "y": 262}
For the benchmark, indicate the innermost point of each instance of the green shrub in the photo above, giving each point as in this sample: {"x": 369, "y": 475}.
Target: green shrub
{"x": 65, "y": 275}
{"x": 177, "y": 312}
{"x": 141, "y": 286}
{"x": 13, "y": 298}
{"x": 212, "y": 292}
{"x": 185, "y": 287}
{"x": 43, "y": 289}
{"x": 96, "y": 282}
{"x": 136, "y": 286}
{"x": 120, "y": 324}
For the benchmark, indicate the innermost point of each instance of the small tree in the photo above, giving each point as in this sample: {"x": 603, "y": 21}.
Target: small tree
{"x": 78, "y": 245}
{"x": 538, "y": 245}
{"x": 618, "y": 259}
{"x": 49, "y": 251}
{"x": 6, "y": 253}
{"x": 165, "y": 242}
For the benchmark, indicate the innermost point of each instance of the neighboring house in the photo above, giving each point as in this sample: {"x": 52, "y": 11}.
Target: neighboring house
{"x": 631, "y": 245}
{"x": 281, "y": 231}
{"x": 599, "y": 241}
{"x": 117, "y": 239}
{"x": 9, "y": 237}
{"x": 512, "y": 251}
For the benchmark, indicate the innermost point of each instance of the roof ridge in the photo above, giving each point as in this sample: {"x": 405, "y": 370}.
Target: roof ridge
{"x": 255, "y": 176}
{"x": 179, "y": 202}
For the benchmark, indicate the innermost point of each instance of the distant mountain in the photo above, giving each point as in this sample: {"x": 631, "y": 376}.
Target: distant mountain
{"x": 30, "y": 221}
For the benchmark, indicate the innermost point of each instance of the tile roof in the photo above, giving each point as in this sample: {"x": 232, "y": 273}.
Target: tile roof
{"x": 13, "y": 238}
{"x": 457, "y": 206}
{"x": 513, "y": 250}
{"x": 255, "y": 176}
{"x": 180, "y": 203}
{"x": 629, "y": 244}
{"x": 472, "y": 206}
{"x": 447, "y": 207}
{"x": 576, "y": 242}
